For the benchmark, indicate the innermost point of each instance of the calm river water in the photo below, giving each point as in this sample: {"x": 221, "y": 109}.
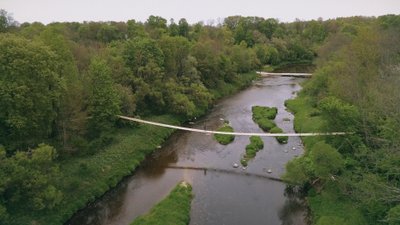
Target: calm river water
{"x": 219, "y": 197}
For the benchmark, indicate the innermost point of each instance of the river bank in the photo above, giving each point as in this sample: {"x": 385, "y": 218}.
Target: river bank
{"x": 172, "y": 210}
{"x": 87, "y": 178}
{"x": 327, "y": 204}
{"x": 234, "y": 196}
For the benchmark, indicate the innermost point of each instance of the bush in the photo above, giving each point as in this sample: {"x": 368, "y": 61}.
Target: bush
{"x": 255, "y": 145}
{"x": 225, "y": 139}
{"x": 263, "y": 116}
{"x": 265, "y": 124}
{"x": 251, "y": 150}
{"x": 264, "y": 112}
{"x": 243, "y": 162}
{"x": 393, "y": 215}
{"x": 280, "y": 139}
{"x": 257, "y": 141}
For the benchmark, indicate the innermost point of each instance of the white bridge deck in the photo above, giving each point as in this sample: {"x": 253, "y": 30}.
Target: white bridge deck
{"x": 267, "y": 74}
{"x": 232, "y": 133}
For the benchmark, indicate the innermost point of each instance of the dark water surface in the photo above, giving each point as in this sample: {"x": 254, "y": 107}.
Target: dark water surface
{"x": 219, "y": 197}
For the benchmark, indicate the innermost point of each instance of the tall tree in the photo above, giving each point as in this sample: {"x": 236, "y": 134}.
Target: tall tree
{"x": 6, "y": 21}
{"x": 104, "y": 102}
{"x": 183, "y": 28}
{"x": 30, "y": 89}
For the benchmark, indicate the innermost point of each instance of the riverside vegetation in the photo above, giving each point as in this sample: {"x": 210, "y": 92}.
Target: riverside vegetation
{"x": 62, "y": 84}
{"x": 256, "y": 144}
{"x": 173, "y": 210}
{"x": 225, "y": 139}
{"x": 264, "y": 117}
{"x": 356, "y": 179}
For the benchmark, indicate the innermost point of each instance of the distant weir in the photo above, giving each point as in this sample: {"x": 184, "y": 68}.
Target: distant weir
{"x": 267, "y": 74}
{"x": 237, "y": 172}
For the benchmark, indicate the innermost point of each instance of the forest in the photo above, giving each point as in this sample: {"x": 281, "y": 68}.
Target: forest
{"x": 355, "y": 180}
{"x": 62, "y": 85}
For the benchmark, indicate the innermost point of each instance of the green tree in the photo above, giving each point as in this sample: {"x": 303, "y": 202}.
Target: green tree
{"x": 135, "y": 29}
{"x": 108, "y": 33}
{"x": 141, "y": 53}
{"x": 173, "y": 28}
{"x": 176, "y": 50}
{"x": 27, "y": 184}
{"x": 183, "y": 28}
{"x": 30, "y": 90}
{"x": 104, "y": 102}
{"x": 322, "y": 162}
{"x": 72, "y": 116}
{"x": 6, "y": 21}
{"x": 326, "y": 161}
{"x": 340, "y": 115}
{"x": 156, "y": 26}
{"x": 393, "y": 216}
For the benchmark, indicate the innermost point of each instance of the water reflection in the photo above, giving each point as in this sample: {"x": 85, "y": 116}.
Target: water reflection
{"x": 292, "y": 213}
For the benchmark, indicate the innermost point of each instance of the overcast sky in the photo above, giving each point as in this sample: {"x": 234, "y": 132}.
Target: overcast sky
{"x": 47, "y": 11}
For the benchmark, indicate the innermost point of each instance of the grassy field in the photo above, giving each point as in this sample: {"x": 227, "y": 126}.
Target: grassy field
{"x": 173, "y": 210}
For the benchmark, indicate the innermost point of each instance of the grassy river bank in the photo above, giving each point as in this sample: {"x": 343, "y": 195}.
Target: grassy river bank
{"x": 84, "y": 179}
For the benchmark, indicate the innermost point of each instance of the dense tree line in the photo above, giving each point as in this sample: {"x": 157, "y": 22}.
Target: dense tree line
{"x": 355, "y": 89}
{"x": 63, "y": 83}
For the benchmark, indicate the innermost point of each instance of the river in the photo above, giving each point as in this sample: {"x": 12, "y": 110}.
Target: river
{"x": 230, "y": 196}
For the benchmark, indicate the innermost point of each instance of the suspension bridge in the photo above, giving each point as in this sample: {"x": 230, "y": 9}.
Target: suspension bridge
{"x": 230, "y": 133}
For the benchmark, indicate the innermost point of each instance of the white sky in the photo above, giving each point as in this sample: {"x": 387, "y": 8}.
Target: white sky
{"x": 47, "y": 11}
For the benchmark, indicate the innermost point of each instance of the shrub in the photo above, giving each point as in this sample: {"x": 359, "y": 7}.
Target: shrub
{"x": 243, "y": 162}
{"x": 263, "y": 116}
{"x": 264, "y": 112}
{"x": 266, "y": 124}
{"x": 255, "y": 145}
{"x": 225, "y": 139}
{"x": 280, "y": 139}
{"x": 257, "y": 141}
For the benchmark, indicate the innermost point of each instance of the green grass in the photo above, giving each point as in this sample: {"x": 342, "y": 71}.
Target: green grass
{"x": 225, "y": 139}
{"x": 305, "y": 120}
{"x": 280, "y": 139}
{"x": 264, "y": 112}
{"x": 263, "y": 116}
{"x": 256, "y": 144}
{"x": 173, "y": 210}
